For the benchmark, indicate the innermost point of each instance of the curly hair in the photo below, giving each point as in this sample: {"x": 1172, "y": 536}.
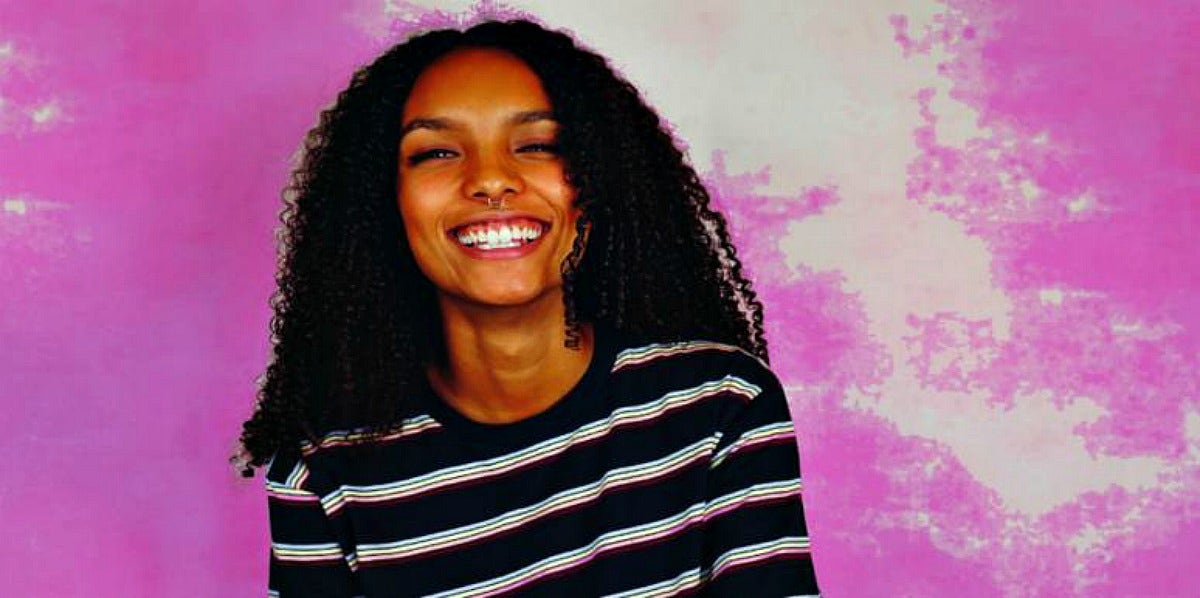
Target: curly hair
{"x": 356, "y": 323}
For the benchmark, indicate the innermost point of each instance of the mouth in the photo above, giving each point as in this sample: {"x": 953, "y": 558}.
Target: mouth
{"x": 494, "y": 235}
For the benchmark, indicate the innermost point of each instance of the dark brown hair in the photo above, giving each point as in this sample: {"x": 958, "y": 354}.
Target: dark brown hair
{"x": 356, "y": 323}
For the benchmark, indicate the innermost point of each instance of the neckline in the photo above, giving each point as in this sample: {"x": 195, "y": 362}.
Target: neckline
{"x": 541, "y": 425}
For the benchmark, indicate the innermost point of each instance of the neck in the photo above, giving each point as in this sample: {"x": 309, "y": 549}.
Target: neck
{"x": 505, "y": 365}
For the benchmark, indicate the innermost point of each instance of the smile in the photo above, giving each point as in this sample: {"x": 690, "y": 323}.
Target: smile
{"x": 499, "y": 234}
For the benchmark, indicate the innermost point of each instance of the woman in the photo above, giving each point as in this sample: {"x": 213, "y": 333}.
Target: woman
{"x": 514, "y": 349}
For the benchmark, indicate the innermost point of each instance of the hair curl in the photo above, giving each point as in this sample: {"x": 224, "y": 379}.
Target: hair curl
{"x": 356, "y": 323}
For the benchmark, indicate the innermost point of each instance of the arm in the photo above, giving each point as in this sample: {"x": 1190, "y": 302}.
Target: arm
{"x": 308, "y": 550}
{"x": 756, "y": 540}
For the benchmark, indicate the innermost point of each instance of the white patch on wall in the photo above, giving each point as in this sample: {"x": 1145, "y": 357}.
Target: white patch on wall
{"x": 1191, "y": 430}
{"x": 7, "y": 54}
{"x": 45, "y": 115}
{"x": 21, "y": 118}
{"x": 10, "y": 58}
{"x": 23, "y": 205}
{"x": 1050, "y": 296}
{"x": 1142, "y": 329}
{"x": 16, "y": 206}
{"x": 878, "y": 243}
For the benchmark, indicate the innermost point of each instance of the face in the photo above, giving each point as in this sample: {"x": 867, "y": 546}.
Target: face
{"x": 478, "y": 129}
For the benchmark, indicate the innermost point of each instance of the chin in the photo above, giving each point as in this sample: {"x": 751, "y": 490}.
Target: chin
{"x": 511, "y": 297}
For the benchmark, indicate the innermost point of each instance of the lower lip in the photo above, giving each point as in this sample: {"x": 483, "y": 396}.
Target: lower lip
{"x": 507, "y": 253}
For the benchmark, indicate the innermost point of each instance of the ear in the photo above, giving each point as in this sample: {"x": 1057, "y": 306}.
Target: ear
{"x": 572, "y": 260}
{"x": 587, "y": 232}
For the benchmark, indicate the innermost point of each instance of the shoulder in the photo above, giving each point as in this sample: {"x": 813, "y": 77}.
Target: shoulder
{"x": 633, "y": 353}
{"x": 697, "y": 354}
{"x": 297, "y": 473}
{"x": 339, "y": 456}
{"x": 736, "y": 378}
{"x": 339, "y": 442}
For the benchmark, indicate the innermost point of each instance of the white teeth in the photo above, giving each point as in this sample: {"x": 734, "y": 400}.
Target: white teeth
{"x": 500, "y": 237}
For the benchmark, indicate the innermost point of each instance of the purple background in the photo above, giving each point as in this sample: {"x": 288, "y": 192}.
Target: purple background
{"x": 972, "y": 224}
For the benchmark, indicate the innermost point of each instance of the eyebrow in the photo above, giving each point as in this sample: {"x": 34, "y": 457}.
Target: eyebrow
{"x": 443, "y": 124}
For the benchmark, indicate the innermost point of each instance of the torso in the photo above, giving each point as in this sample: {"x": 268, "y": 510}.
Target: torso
{"x": 604, "y": 491}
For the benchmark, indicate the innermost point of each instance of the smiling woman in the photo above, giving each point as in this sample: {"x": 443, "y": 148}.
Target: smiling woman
{"x": 479, "y": 135}
{"x": 514, "y": 350}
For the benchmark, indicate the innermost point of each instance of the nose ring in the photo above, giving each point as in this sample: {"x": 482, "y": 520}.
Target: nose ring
{"x": 496, "y": 203}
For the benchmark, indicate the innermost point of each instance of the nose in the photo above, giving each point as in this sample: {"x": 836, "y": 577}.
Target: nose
{"x": 492, "y": 176}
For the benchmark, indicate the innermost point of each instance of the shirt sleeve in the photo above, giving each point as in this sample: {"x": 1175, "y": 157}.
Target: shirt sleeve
{"x": 311, "y": 555}
{"x": 756, "y": 541}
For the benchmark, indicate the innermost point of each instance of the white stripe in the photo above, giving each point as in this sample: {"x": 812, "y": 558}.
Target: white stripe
{"x": 524, "y": 515}
{"x": 787, "y": 426}
{"x": 406, "y": 427}
{"x": 763, "y": 548}
{"x": 618, "y": 537}
{"x": 667, "y": 587}
{"x": 649, "y": 352}
{"x": 323, "y": 548}
{"x": 504, "y": 463}
{"x": 571, "y": 558}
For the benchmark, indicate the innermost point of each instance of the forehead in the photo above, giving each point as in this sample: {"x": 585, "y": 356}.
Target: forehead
{"x": 474, "y": 80}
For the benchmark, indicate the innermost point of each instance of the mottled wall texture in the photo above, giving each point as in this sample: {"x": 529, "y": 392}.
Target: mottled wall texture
{"x": 972, "y": 222}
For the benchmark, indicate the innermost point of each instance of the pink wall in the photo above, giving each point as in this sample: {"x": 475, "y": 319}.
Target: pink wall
{"x": 983, "y": 302}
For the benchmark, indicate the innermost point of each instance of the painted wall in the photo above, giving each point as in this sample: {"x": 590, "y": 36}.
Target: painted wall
{"x": 972, "y": 223}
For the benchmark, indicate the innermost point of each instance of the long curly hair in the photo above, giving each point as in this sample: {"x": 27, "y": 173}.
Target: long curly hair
{"x": 355, "y": 321}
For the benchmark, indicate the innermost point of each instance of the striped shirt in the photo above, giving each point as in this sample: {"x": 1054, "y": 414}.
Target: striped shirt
{"x": 669, "y": 469}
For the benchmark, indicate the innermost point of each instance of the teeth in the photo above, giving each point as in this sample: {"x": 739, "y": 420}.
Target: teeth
{"x": 486, "y": 246}
{"x": 499, "y": 237}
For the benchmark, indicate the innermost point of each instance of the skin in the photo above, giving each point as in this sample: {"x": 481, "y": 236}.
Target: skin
{"x": 477, "y": 124}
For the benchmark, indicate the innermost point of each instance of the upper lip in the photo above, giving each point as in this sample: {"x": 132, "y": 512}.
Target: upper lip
{"x": 498, "y": 217}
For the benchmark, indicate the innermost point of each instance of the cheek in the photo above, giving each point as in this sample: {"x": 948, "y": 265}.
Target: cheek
{"x": 419, "y": 224}
{"x": 562, "y": 195}
{"x": 417, "y": 203}
{"x": 422, "y": 198}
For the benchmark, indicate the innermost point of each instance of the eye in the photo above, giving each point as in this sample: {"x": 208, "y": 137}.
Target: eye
{"x": 433, "y": 154}
{"x": 538, "y": 148}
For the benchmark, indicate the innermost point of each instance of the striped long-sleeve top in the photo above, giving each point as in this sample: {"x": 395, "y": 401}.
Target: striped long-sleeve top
{"x": 669, "y": 469}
